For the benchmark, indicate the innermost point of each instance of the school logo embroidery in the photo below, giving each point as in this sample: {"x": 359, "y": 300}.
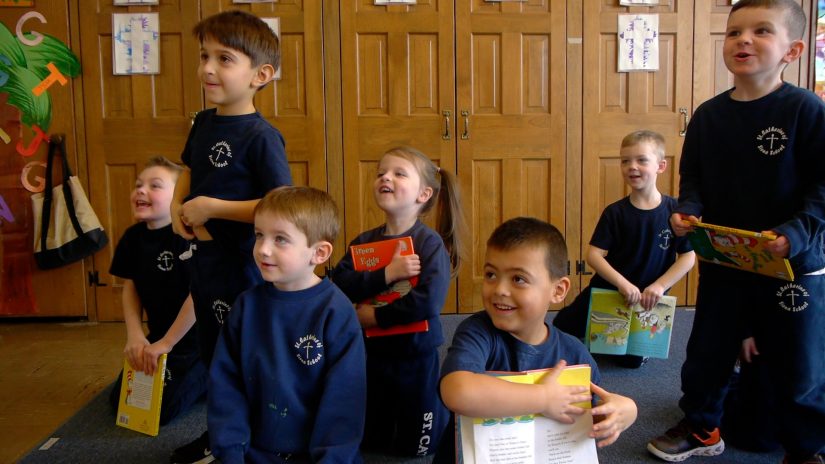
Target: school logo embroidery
{"x": 309, "y": 350}
{"x": 221, "y": 152}
{"x": 792, "y": 297}
{"x": 666, "y": 236}
{"x": 221, "y": 309}
{"x": 771, "y": 141}
{"x": 166, "y": 261}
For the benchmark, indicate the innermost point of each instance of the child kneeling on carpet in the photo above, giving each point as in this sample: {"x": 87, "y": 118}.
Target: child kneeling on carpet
{"x": 288, "y": 377}
{"x": 155, "y": 281}
{"x": 524, "y": 273}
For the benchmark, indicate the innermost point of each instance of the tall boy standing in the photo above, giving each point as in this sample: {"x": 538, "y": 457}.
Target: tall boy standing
{"x": 235, "y": 156}
{"x": 641, "y": 273}
{"x": 288, "y": 380}
{"x": 753, "y": 159}
{"x": 524, "y": 273}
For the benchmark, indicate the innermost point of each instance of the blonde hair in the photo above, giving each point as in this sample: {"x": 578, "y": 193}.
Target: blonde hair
{"x": 649, "y": 136}
{"x": 312, "y": 211}
{"x": 449, "y": 222}
{"x": 164, "y": 162}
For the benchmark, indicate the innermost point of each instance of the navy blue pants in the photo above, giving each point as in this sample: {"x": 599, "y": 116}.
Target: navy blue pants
{"x": 787, "y": 320}
{"x": 217, "y": 277}
{"x": 405, "y": 415}
{"x": 185, "y": 384}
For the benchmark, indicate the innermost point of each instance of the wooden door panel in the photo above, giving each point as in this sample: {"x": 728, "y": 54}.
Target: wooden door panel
{"x": 618, "y": 103}
{"x": 511, "y": 80}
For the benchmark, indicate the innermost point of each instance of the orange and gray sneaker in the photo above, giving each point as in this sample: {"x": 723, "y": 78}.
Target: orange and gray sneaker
{"x": 684, "y": 441}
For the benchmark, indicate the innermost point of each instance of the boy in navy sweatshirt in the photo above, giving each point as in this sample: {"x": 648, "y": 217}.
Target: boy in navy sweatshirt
{"x": 288, "y": 379}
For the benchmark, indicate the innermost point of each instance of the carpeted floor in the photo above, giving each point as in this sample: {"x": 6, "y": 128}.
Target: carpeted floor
{"x": 91, "y": 436}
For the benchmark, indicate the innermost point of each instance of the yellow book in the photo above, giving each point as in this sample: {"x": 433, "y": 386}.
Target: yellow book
{"x": 739, "y": 249}
{"x": 140, "y": 398}
{"x": 530, "y": 438}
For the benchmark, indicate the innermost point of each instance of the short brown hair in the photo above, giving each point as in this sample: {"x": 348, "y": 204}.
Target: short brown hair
{"x": 532, "y": 232}
{"x": 312, "y": 211}
{"x": 649, "y": 136}
{"x": 164, "y": 162}
{"x": 242, "y": 31}
{"x": 795, "y": 20}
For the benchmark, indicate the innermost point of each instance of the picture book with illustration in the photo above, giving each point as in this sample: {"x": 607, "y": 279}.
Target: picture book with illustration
{"x": 531, "y": 438}
{"x": 739, "y": 249}
{"x": 140, "y": 398}
{"x": 615, "y": 328}
{"x": 377, "y": 255}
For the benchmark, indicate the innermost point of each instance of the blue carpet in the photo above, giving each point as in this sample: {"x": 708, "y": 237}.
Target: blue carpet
{"x": 90, "y": 436}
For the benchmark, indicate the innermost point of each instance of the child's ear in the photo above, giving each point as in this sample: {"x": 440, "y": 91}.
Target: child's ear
{"x": 265, "y": 73}
{"x": 560, "y": 289}
{"x": 794, "y": 51}
{"x": 662, "y": 166}
{"x": 323, "y": 251}
{"x": 425, "y": 194}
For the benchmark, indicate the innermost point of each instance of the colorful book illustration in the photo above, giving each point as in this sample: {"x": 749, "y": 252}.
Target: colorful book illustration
{"x": 615, "y": 328}
{"x": 531, "y": 438}
{"x": 739, "y": 249}
{"x": 140, "y": 398}
{"x": 377, "y": 255}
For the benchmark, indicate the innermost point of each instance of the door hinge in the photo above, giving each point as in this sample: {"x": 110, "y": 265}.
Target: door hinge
{"x": 94, "y": 279}
{"x": 581, "y": 268}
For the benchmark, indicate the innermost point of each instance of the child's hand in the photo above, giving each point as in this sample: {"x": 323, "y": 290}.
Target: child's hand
{"x": 631, "y": 293}
{"x": 559, "y": 398}
{"x": 682, "y": 225}
{"x": 402, "y": 267}
{"x": 780, "y": 246}
{"x": 151, "y": 354}
{"x": 618, "y": 413}
{"x": 749, "y": 349}
{"x": 134, "y": 352}
{"x": 178, "y": 226}
{"x": 651, "y": 296}
{"x": 366, "y": 315}
{"x": 195, "y": 212}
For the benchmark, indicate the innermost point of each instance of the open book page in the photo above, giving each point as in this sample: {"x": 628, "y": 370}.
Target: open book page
{"x": 530, "y": 438}
{"x": 615, "y": 328}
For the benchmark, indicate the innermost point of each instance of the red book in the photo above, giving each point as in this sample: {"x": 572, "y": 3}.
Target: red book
{"x": 377, "y": 255}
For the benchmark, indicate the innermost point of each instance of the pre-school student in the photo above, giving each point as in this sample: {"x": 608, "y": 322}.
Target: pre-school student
{"x": 155, "y": 281}
{"x": 288, "y": 379}
{"x": 633, "y": 249}
{"x": 234, "y": 157}
{"x": 405, "y": 416}
{"x": 753, "y": 159}
{"x": 525, "y": 271}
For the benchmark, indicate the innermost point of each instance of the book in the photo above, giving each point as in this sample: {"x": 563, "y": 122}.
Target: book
{"x": 739, "y": 249}
{"x": 377, "y": 255}
{"x": 615, "y": 328}
{"x": 531, "y": 438}
{"x": 140, "y": 398}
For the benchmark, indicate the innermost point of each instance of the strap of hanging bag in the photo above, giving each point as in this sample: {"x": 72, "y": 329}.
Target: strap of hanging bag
{"x": 57, "y": 141}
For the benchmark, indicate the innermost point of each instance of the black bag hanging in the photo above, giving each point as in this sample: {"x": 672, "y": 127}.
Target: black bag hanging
{"x": 66, "y": 229}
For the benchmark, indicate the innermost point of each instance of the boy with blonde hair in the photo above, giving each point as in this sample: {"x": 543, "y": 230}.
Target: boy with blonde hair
{"x": 633, "y": 249}
{"x": 288, "y": 379}
{"x": 753, "y": 159}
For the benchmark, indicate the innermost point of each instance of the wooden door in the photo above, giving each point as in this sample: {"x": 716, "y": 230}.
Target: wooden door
{"x": 130, "y": 118}
{"x": 617, "y": 103}
{"x": 398, "y": 89}
{"x": 511, "y": 82}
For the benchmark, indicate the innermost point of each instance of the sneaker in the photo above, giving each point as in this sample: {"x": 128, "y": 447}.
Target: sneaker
{"x": 815, "y": 459}
{"x": 682, "y": 442}
{"x": 197, "y": 452}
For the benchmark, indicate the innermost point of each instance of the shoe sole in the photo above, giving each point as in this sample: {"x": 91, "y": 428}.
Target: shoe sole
{"x": 712, "y": 450}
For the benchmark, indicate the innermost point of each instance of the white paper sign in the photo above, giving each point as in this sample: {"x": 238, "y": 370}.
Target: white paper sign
{"x": 638, "y": 2}
{"x": 638, "y": 39}
{"x": 136, "y": 2}
{"x": 391, "y": 2}
{"x": 135, "y": 43}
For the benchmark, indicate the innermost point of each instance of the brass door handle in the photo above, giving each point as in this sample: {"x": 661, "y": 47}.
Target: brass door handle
{"x": 466, "y": 134}
{"x": 446, "y": 134}
{"x": 684, "y": 113}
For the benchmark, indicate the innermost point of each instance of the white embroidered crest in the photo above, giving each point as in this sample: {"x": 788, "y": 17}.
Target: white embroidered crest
{"x": 309, "y": 350}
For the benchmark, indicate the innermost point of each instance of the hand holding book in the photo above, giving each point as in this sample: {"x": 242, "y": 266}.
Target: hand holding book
{"x": 402, "y": 265}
